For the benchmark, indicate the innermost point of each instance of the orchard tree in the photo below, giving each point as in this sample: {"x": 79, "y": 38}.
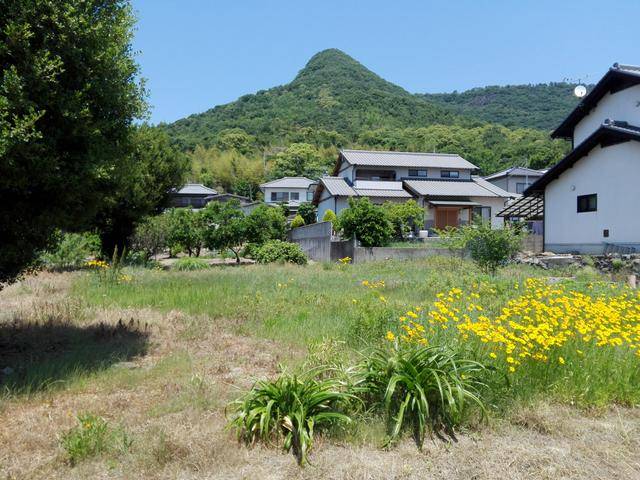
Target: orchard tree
{"x": 68, "y": 98}
{"x": 367, "y": 222}
{"x": 225, "y": 227}
{"x": 265, "y": 223}
{"x": 185, "y": 229}
{"x": 404, "y": 216}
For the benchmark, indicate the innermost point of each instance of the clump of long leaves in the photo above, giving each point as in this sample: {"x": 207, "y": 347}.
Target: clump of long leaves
{"x": 289, "y": 410}
{"x": 425, "y": 388}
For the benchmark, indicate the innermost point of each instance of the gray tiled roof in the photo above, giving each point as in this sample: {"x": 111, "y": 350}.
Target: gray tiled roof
{"x": 450, "y": 188}
{"x": 405, "y": 159}
{"x": 494, "y": 188}
{"x": 338, "y": 187}
{"x": 521, "y": 171}
{"x": 377, "y": 192}
{"x": 289, "y": 182}
{"x": 196, "y": 189}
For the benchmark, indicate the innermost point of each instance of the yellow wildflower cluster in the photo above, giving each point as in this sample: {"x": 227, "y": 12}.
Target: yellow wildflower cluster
{"x": 373, "y": 285}
{"x": 535, "y": 324}
{"x": 97, "y": 264}
{"x": 344, "y": 260}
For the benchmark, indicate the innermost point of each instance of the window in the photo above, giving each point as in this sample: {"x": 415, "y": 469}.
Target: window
{"x": 279, "y": 196}
{"x": 449, "y": 174}
{"x": 309, "y": 196}
{"x": 483, "y": 213}
{"x": 521, "y": 187}
{"x": 587, "y": 203}
{"x": 295, "y": 196}
{"x": 417, "y": 173}
{"x": 375, "y": 175}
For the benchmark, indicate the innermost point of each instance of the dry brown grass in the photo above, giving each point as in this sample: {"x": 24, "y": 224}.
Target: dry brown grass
{"x": 171, "y": 402}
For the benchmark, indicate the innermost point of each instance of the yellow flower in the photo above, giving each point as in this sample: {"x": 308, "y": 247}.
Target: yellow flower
{"x": 412, "y": 314}
{"x": 390, "y": 336}
{"x": 512, "y": 369}
{"x": 561, "y": 360}
{"x": 493, "y": 355}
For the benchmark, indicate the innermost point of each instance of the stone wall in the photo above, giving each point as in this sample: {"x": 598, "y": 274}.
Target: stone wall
{"x": 314, "y": 240}
{"x": 363, "y": 254}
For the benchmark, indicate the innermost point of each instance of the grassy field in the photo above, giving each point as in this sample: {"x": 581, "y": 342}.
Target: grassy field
{"x": 157, "y": 356}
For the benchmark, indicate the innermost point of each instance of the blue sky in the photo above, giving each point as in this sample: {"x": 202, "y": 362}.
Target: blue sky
{"x": 196, "y": 54}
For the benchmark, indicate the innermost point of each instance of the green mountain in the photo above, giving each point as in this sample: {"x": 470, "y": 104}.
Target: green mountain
{"x": 333, "y": 92}
{"x": 541, "y": 106}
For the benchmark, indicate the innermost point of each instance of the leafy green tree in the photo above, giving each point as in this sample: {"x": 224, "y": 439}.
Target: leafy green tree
{"x": 68, "y": 98}
{"x": 225, "y": 227}
{"x": 367, "y": 222}
{"x": 140, "y": 187}
{"x": 150, "y": 236}
{"x": 492, "y": 248}
{"x": 265, "y": 223}
{"x": 404, "y": 216}
{"x": 308, "y": 212}
{"x": 330, "y": 216}
{"x": 185, "y": 230}
{"x": 297, "y": 221}
{"x": 235, "y": 139}
{"x": 298, "y": 160}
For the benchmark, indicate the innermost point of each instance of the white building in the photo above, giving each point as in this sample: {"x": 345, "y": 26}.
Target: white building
{"x": 591, "y": 197}
{"x": 291, "y": 191}
{"x": 444, "y": 184}
{"x": 515, "y": 179}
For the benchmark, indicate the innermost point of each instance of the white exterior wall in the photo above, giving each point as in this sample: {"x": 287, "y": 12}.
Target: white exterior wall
{"x": 622, "y": 105}
{"x": 496, "y": 204}
{"x": 301, "y": 191}
{"x": 613, "y": 174}
{"x": 328, "y": 202}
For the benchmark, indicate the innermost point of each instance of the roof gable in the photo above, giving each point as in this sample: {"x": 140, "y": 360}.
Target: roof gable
{"x": 515, "y": 171}
{"x": 609, "y": 133}
{"x": 288, "y": 182}
{"x": 619, "y": 77}
{"x": 196, "y": 189}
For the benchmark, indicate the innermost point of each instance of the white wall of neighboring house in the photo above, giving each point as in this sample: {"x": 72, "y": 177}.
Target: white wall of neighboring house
{"x": 327, "y": 202}
{"x": 496, "y": 204}
{"x": 350, "y": 172}
{"x": 623, "y": 106}
{"x": 302, "y": 194}
{"x": 613, "y": 174}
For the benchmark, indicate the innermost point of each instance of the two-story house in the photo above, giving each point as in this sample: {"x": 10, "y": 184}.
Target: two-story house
{"x": 291, "y": 191}
{"x": 444, "y": 184}
{"x": 591, "y": 196}
{"x": 194, "y": 195}
{"x": 515, "y": 179}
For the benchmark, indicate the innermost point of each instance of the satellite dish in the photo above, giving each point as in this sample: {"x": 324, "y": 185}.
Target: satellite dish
{"x": 580, "y": 91}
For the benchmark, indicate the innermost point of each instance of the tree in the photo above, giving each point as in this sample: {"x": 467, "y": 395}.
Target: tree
{"x": 367, "y": 222}
{"x": 140, "y": 187}
{"x": 404, "y": 216}
{"x": 225, "y": 227}
{"x": 297, "y": 221}
{"x": 265, "y": 223}
{"x": 185, "y": 229}
{"x": 298, "y": 160}
{"x": 308, "y": 212}
{"x": 150, "y": 235}
{"x": 235, "y": 139}
{"x": 330, "y": 216}
{"x": 491, "y": 248}
{"x": 68, "y": 98}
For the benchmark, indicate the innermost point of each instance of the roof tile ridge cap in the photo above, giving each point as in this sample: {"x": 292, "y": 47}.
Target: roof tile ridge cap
{"x": 392, "y": 152}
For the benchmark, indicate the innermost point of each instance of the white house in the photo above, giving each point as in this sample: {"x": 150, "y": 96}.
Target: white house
{"x": 591, "y": 196}
{"x": 291, "y": 191}
{"x": 515, "y": 179}
{"x": 444, "y": 184}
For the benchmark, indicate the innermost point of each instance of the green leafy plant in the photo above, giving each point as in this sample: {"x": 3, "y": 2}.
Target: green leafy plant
{"x": 404, "y": 216}
{"x": 225, "y": 227}
{"x": 71, "y": 251}
{"x": 425, "y": 388}
{"x": 290, "y": 410}
{"x": 308, "y": 212}
{"x": 91, "y": 437}
{"x": 184, "y": 230}
{"x": 279, "y": 251}
{"x": 188, "y": 264}
{"x": 297, "y": 221}
{"x": 329, "y": 216}
{"x": 265, "y": 223}
{"x": 367, "y": 222}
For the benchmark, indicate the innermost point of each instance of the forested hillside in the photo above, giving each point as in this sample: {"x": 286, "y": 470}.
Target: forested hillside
{"x": 334, "y": 101}
{"x": 541, "y": 106}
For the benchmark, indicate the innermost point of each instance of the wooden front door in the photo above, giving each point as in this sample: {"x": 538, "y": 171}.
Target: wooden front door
{"x": 446, "y": 217}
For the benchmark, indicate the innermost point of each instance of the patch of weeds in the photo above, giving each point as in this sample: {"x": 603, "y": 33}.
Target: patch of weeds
{"x": 93, "y": 436}
{"x": 196, "y": 394}
{"x": 157, "y": 449}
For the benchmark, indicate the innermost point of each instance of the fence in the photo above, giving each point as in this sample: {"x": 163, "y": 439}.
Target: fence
{"x": 532, "y": 243}
{"x": 314, "y": 240}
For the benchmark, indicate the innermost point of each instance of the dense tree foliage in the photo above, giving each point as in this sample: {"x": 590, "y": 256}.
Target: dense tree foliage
{"x": 265, "y": 223}
{"x": 404, "y": 216}
{"x": 308, "y": 212}
{"x": 225, "y": 227}
{"x": 541, "y": 106}
{"x": 367, "y": 222}
{"x": 68, "y": 97}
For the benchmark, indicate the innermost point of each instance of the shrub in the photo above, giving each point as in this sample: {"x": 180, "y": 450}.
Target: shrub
{"x": 150, "y": 236}
{"x": 265, "y": 223}
{"x": 71, "y": 251}
{"x": 404, "y": 216}
{"x": 279, "y": 251}
{"x": 290, "y": 409}
{"x": 308, "y": 212}
{"x": 492, "y": 248}
{"x": 329, "y": 216}
{"x": 91, "y": 437}
{"x": 187, "y": 264}
{"x": 425, "y": 388}
{"x": 367, "y": 222}
{"x": 297, "y": 221}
